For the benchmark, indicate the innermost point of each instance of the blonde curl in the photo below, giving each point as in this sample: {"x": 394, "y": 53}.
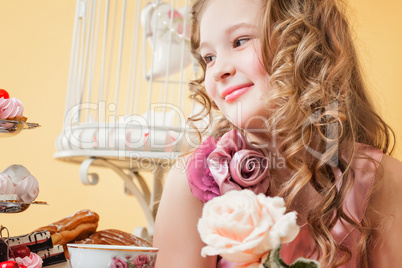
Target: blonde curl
{"x": 318, "y": 101}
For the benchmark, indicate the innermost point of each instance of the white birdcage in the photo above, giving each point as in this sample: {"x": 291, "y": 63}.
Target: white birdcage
{"x": 126, "y": 103}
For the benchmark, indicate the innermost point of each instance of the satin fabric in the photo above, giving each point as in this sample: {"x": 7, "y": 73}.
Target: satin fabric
{"x": 232, "y": 163}
{"x": 235, "y": 164}
{"x": 365, "y": 167}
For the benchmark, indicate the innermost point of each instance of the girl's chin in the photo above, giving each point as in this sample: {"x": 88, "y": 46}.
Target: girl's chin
{"x": 253, "y": 124}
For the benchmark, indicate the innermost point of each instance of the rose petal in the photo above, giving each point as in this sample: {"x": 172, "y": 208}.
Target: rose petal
{"x": 219, "y": 159}
{"x": 236, "y": 164}
{"x": 240, "y": 161}
{"x": 202, "y": 184}
{"x": 242, "y": 226}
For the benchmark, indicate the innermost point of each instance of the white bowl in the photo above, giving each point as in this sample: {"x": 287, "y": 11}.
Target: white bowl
{"x": 110, "y": 256}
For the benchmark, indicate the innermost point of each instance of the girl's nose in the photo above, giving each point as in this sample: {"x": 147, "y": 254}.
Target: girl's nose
{"x": 223, "y": 68}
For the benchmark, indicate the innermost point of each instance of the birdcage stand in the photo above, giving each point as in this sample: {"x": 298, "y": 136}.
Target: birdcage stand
{"x": 135, "y": 185}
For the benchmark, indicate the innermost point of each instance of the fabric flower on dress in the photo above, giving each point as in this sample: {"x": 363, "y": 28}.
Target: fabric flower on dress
{"x": 229, "y": 164}
{"x": 235, "y": 164}
{"x": 202, "y": 184}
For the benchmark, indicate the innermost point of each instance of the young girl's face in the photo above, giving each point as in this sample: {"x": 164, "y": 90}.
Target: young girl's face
{"x": 235, "y": 78}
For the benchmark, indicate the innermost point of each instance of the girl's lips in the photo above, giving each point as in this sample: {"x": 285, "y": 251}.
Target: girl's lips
{"x": 232, "y": 93}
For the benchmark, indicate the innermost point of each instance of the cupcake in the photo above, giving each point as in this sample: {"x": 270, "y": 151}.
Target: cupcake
{"x": 11, "y": 108}
{"x": 31, "y": 261}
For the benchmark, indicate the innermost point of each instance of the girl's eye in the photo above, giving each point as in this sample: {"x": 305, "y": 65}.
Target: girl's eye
{"x": 208, "y": 58}
{"x": 240, "y": 41}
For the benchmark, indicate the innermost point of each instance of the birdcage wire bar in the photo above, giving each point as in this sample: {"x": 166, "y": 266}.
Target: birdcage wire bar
{"x": 126, "y": 97}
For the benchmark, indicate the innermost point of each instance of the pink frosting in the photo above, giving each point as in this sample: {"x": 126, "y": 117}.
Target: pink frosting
{"x": 27, "y": 189}
{"x": 6, "y": 185}
{"x": 33, "y": 261}
{"x": 10, "y": 108}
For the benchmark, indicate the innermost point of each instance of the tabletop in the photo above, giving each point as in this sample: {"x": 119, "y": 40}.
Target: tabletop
{"x": 61, "y": 265}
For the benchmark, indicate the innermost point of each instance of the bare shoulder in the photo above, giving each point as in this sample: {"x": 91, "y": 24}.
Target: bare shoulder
{"x": 385, "y": 212}
{"x": 178, "y": 171}
{"x": 389, "y": 189}
{"x": 176, "y": 188}
{"x": 176, "y": 233}
{"x": 391, "y": 165}
{"x": 387, "y": 196}
{"x": 176, "y": 181}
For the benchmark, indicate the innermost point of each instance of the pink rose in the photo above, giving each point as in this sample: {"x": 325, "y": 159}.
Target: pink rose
{"x": 229, "y": 164}
{"x": 241, "y": 226}
{"x": 141, "y": 260}
{"x": 152, "y": 261}
{"x": 202, "y": 184}
{"x": 235, "y": 164}
{"x": 118, "y": 263}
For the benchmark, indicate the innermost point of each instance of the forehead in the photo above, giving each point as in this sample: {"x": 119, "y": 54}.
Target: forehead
{"x": 225, "y": 13}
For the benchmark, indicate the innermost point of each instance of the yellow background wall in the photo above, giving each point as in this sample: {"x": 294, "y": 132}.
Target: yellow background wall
{"x": 35, "y": 43}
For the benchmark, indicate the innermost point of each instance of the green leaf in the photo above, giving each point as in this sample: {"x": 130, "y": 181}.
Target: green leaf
{"x": 274, "y": 260}
{"x": 305, "y": 263}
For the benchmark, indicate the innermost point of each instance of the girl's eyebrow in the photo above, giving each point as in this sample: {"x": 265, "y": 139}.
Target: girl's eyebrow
{"x": 231, "y": 29}
{"x": 204, "y": 44}
{"x": 234, "y": 27}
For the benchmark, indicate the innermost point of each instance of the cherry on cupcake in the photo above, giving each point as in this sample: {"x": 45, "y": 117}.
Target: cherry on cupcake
{"x": 4, "y": 94}
{"x": 9, "y": 264}
{"x": 20, "y": 251}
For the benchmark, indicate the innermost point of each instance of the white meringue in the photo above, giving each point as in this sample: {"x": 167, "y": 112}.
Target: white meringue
{"x": 27, "y": 189}
{"x": 17, "y": 173}
{"x": 6, "y": 185}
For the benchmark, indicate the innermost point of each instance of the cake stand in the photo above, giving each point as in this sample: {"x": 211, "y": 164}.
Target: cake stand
{"x": 9, "y": 128}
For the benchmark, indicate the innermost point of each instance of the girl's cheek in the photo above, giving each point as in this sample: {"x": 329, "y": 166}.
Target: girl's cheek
{"x": 210, "y": 87}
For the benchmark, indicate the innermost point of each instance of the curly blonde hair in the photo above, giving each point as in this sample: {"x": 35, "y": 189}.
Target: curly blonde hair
{"x": 318, "y": 101}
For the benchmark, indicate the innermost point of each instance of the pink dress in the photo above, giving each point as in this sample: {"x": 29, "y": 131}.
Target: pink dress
{"x": 355, "y": 206}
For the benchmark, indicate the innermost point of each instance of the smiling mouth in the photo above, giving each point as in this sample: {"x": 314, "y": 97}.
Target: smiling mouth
{"x": 232, "y": 93}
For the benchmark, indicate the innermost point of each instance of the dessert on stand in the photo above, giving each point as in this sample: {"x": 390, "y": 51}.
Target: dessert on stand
{"x": 18, "y": 187}
{"x": 18, "y": 190}
{"x": 12, "y": 120}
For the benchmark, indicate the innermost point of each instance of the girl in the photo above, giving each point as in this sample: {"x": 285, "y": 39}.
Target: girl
{"x": 285, "y": 74}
